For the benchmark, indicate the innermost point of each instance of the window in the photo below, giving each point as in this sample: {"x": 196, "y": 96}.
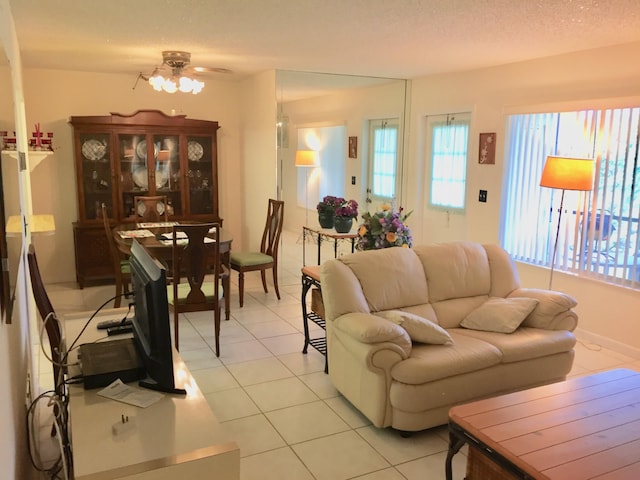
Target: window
{"x": 598, "y": 234}
{"x": 383, "y": 162}
{"x": 447, "y": 138}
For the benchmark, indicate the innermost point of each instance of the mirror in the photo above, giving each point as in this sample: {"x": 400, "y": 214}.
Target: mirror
{"x": 6, "y": 309}
{"x": 339, "y": 116}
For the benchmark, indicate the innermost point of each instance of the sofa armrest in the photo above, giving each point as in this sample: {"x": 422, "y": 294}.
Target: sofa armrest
{"x": 553, "y": 312}
{"x": 371, "y": 329}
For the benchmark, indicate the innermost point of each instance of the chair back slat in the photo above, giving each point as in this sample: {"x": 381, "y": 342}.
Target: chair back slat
{"x": 117, "y": 257}
{"x": 195, "y": 259}
{"x": 151, "y": 208}
{"x": 114, "y": 253}
{"x": 273, "y": 227}
{"x": 192, "y": 261}
{"x": 47, "y": 314}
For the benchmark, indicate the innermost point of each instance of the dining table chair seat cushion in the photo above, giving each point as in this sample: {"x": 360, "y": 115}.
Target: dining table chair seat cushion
{"x": 248, "y": 259}
{"x": 184, "y": 289}
{"x": 125, "y": 266}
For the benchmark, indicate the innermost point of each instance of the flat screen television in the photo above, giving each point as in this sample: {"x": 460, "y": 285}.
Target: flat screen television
{"x": 151, "y": 327}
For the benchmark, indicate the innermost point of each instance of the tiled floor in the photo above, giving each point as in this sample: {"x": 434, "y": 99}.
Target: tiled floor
{"x": 277, "y": 403}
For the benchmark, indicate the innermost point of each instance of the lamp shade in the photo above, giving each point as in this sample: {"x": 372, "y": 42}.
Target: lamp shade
{"x": 306, "y": 158}
{"x": 567, "y": 173}
{"x": 40, "y": 224}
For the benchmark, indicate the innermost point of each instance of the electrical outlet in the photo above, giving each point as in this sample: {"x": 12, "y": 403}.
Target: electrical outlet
{"x": 482, "y": 197}
{"x": 353, "y": 180}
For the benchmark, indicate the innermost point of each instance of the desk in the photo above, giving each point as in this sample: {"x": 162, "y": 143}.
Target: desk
{"x": 164, "y": 251}
{"x": 328, "y": 234}
{"x": 178, "y": 437}
{"x": 585, "y": 427}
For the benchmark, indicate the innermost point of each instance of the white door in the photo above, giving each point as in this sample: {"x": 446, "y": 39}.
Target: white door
{"x": 383, "y": 164}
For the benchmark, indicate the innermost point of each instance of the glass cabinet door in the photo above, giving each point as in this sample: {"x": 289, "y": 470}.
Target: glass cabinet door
{"x": 200, "y": 174}
{"x": 133, "y": 169}
{"x": 167, "y": 171}
{"x": 96, "y": 173}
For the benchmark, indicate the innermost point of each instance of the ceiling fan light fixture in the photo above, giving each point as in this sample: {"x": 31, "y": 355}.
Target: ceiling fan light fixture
{"x": 190, "y": 85}
{"x": 170, "y": 85}
{"x": 178, "y": 80}
{"x": 156, "y": 81}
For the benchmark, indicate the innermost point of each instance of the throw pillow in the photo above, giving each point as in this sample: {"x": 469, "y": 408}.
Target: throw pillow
{"x": 501, "y": 315}
{"x": 419, "y": 329}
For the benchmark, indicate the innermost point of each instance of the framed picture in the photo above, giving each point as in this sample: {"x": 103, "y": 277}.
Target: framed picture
{"x": 487, "y": 154}
{"x": 353, "y": 147}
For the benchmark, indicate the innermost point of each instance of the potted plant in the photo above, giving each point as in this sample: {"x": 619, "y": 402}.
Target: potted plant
{"x": 327, "y": 210}
{"x": 384, "y": 228}
{"x": 345, "y": 214}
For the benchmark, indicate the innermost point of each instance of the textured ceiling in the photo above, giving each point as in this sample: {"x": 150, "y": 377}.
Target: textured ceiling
{"x": 382, "y": 38}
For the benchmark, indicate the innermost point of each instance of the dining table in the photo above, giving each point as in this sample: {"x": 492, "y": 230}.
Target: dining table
{"x": 150, "y": 236}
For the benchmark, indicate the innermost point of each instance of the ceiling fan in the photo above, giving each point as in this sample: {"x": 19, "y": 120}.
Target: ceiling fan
{"x": 179, "y": 79}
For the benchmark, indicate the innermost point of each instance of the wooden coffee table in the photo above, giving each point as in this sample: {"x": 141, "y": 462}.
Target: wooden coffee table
{"x": 585, "y": 427}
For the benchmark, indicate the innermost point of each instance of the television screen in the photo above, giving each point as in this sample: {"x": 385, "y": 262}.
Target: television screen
{"x": 151, "y": 327}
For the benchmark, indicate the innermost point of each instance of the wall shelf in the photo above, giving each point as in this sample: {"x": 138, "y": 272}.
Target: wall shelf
{"x": 35, "y": 156}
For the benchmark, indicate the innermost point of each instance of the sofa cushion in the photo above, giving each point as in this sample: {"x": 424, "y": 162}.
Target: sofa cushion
{"x": 433, "y": 362}
{"x": 367, "y": 328}
{"x": 504, "y": 274}
{"x": 501, "y": 315}
{"x": 551, "y": 304}
{"x": 419, "y": 329}
{"x": 451, "y": 312}
{"x": 523, "y": 344}
{"x": 455, "y": 270}
{"x": 390, "y": 278}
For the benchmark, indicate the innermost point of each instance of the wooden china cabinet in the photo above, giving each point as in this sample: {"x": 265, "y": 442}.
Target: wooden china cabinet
{"x": 120, "y": 156}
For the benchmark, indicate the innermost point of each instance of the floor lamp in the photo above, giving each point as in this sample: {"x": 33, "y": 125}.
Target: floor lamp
{"x": 565, "y": 174}
{"x": 307, "y": 159}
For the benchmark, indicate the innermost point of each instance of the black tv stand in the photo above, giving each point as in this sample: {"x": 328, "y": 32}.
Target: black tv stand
{"x": 159, "y": 388}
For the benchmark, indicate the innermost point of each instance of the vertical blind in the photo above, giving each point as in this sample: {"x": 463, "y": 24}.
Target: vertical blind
{"x": 599, "y": 230}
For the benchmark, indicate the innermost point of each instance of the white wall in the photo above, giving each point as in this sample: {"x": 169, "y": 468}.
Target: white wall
{"x": 247, "y": 114}
{"x": 257, "y": 161}
{"x": 609, "y": 76}
{"x": 353, "y": 109}
{"x": 53, "y": 96}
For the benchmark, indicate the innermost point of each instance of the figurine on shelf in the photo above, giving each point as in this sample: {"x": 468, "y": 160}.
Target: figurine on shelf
{"x": 37, "y": 134}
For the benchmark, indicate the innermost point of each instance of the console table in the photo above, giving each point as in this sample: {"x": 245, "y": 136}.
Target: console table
{"x": 177, "y": 437}
{"x": 585, "y": 427}
{"x": 311, "y": 278}
{"x": 326, "y": 234}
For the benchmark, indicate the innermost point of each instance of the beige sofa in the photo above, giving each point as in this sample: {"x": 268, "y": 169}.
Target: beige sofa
{"x": 412, "y": 332}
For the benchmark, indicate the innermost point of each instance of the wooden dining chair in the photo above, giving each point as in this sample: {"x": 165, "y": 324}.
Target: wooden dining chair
{"x": 151, "y": 208}
{"x": 267, "y": 257}
{"x": 51, "y": 325}
{"x": 119, "y": 261}
{"x": 197, "y": 275}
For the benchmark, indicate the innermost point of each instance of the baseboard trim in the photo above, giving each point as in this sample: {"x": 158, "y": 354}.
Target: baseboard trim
{"x": 587, "y": 336}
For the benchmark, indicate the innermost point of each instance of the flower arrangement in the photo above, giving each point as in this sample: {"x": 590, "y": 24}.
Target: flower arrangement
{"x": 384, "y": 228}
{"x": 329, "y": 204}
{"x": 348, "y": 209}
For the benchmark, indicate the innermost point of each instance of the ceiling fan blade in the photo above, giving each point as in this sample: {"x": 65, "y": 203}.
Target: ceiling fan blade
{"x": 208, "y": 69}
